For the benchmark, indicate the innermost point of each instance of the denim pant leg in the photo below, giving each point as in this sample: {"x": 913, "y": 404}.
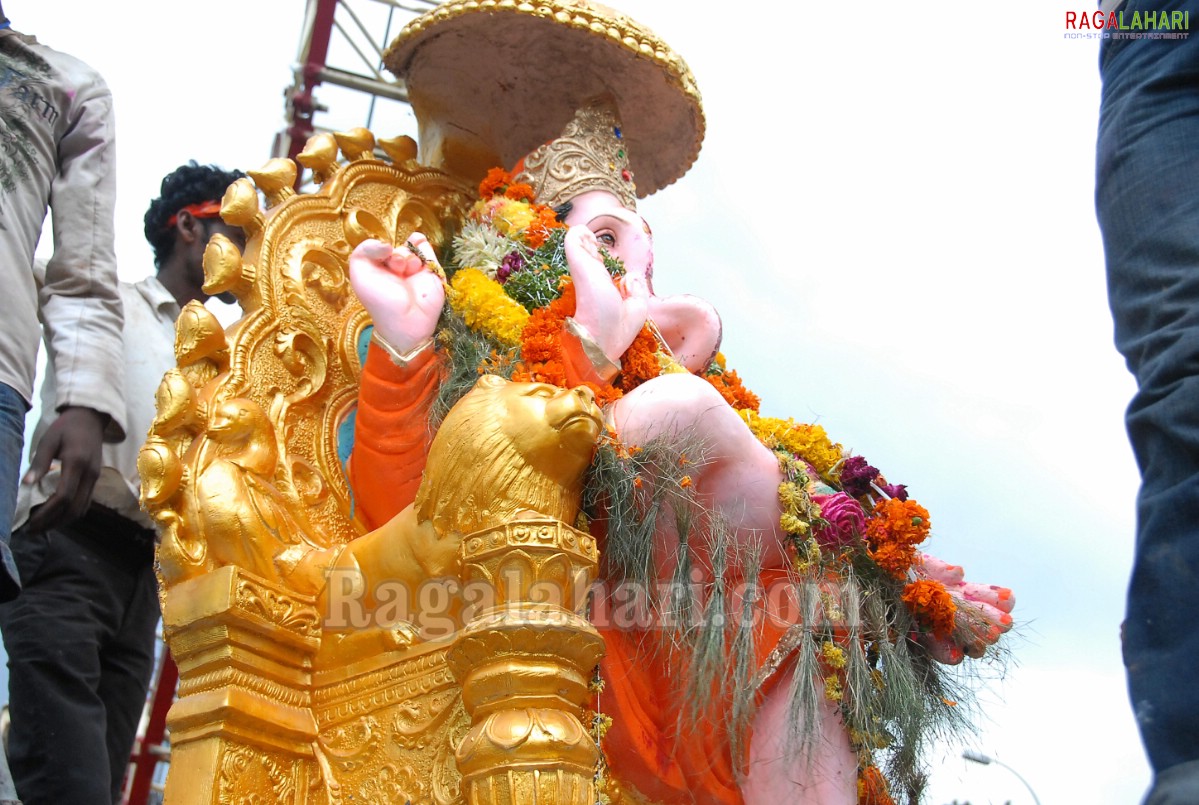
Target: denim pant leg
{"x": 12, "y": 436}
{"x": 1147, "y": 198}
{"x": 12, "y": 439}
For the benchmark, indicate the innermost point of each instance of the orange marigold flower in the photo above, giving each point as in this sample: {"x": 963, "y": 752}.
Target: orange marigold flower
{"x": 894, "y": 558}
{"x": 873, "y": 788}
{"x": 496, "y": 179}
{"x": 931, "y": 605}
{"x": 541, "y": 347}
{"x": 519, "y": 192}
{"x": 898, "y": 521}
{"x": 734, "y": 392}
{"x": 544, "y": 223}
{"x": 640, "y": 361}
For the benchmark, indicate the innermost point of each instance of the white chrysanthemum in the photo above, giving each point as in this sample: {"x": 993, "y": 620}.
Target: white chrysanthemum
{"x": 480, "y": 246}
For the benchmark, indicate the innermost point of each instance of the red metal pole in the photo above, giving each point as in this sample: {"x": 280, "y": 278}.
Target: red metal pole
{"x": 146, "y": 752}
{"x": 303, "y": 103}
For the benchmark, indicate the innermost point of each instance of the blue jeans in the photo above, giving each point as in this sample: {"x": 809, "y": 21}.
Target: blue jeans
{"x": 1147, "y": 198}
{"x": 12, "y": 438}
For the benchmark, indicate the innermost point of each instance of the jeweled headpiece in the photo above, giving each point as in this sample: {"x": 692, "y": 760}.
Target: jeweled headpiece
{"x": 590, "y": 154}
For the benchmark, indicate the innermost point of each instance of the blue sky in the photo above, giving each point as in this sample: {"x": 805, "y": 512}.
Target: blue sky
{"x": 893, "y": 212}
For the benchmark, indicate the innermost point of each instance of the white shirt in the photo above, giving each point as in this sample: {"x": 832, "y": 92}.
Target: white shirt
{"x": 57, "y": 151}
{"x": 149, "y": 352}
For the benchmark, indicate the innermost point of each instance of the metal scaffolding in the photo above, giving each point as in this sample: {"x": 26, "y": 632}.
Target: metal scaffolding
{"x": 341, "y": 55}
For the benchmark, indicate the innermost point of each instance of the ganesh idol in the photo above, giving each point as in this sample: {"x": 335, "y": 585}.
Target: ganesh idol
{"x": 803, "y": 695}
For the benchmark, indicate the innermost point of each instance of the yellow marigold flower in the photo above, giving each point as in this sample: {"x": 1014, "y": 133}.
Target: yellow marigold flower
{"x": 832, "y": 688}
{"x": 832, "y": 609}
{"x": 513, "y": 217}
{"x": 485, "y": 307}
{"x": 813, "y": 550}
{"x": 833, "y": 654}
{"x": 790, "y": 495}
{"x": 600, "y": 724}
{"x": 807, "y": 441}
{"x": 792, "y": 524}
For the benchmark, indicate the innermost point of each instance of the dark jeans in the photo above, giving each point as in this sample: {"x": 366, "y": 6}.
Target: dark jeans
{"x": 1147, "y": 197}
{"x": 80, "y": 642}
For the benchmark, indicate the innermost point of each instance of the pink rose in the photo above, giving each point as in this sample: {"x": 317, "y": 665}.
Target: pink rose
{"x": 845, "y": 518}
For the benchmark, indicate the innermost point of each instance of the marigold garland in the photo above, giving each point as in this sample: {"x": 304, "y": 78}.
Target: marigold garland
{"x": 808, "y": 442}
{"x": 893, "y": 533}
{"x": 872, "y": 788}
{"x": 640, "y": 361}
{"x": 932, "y": 606}
{"x": 494, "y": 182}
{"x": 729, "y": 384}
{"x": 523, "y": 217}
{"x": 483, "y": 305}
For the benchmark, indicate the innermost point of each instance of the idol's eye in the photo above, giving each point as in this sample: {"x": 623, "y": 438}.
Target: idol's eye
{"x": 606, "y": 238}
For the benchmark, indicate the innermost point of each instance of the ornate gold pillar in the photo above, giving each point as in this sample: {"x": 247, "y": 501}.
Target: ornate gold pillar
{"x": 243, "y": 721}
{"x": 524, "y": 661}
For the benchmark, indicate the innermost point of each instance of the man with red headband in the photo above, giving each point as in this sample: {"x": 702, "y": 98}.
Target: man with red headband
{"x": 81, "y": 636}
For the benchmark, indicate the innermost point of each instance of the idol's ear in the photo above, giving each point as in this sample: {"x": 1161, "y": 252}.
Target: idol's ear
{"x": 491, "y": 382}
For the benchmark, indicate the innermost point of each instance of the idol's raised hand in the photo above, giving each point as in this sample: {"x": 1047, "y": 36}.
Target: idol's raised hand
{"x": 613, "y": 314}
{"x": 400, "y": 289}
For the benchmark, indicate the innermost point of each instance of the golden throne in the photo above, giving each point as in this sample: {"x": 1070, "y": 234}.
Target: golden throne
{"x": 242, "y": 472}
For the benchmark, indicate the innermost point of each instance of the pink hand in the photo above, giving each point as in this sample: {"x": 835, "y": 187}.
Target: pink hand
{"x": 611, "y": 317}
{"x": 399, "y": 290}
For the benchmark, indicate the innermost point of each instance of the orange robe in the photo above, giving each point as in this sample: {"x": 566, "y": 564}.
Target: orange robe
{"x": 644, "y": 745}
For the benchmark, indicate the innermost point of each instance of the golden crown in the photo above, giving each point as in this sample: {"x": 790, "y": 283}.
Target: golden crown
{"x": 590, "y": 154}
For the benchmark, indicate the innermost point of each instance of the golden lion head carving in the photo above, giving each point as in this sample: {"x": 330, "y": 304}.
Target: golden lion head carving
{"x": 508, "y": 447}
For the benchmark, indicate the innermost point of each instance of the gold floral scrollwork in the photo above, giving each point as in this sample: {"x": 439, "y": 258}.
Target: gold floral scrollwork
{"x": 415, "y": 721}
{"x": 282, "y": 610}
{"x": 360, "y": 225}
{"x": 248, "y": 777}
{"x": 306, "y": 355}
{"x": 321, "y": 269}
